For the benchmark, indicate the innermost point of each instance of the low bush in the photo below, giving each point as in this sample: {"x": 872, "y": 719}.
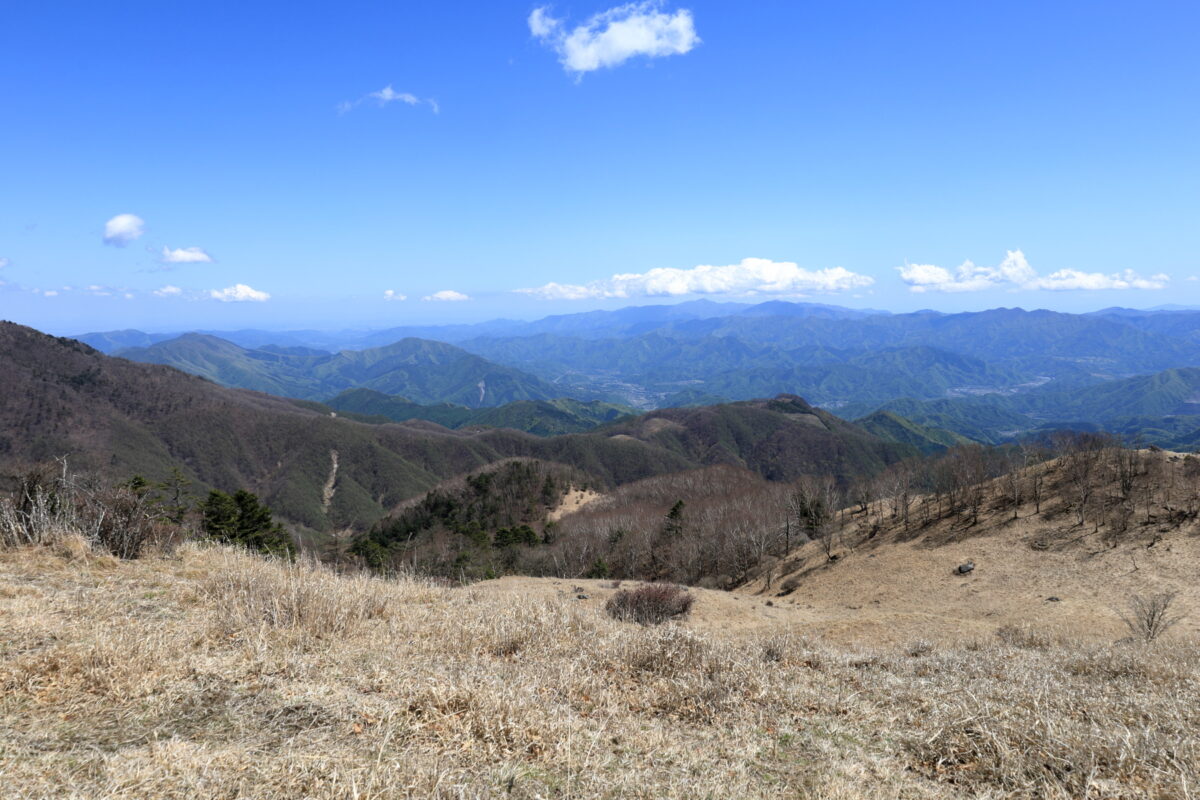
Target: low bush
{"x": 652, "y": 604}
{"x": 125, "y": 520}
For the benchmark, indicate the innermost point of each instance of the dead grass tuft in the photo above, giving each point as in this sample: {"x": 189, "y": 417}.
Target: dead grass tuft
{"x": 1023, "y": 636}
{"x": 306, "y": 597}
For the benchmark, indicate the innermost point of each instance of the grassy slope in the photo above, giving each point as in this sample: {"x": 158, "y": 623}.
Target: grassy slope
{"x": 212, "y": 673}
{"x": 895, "y": 585}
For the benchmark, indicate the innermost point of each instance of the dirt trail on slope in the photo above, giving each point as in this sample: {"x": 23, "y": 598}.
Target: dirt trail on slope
{"x": 331, "y": 482}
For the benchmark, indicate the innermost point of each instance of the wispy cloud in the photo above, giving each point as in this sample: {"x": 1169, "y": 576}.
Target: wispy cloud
{"x": 392, "y": 294}
{"x": 185, "y": 255}
{"x": 238, "y": 293}
{"x": 123, "y": 229}
{"x": 388, "y": 95}
{"x": 612, "y": 37}
{"x": 1014, "y": 272}
{"x": 752, "y": 276}
{"x": 446, "y": 296}
{"x": 4, "y": 262}
{"x": 168, "y": 291}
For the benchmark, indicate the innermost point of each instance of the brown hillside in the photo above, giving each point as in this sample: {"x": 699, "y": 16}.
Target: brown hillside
{"x": 780, "y": 439}
{"x": 119, "y": 418}
{"x": 1040, "y": 570}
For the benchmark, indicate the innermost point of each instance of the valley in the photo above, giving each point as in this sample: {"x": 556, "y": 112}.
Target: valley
{"x": 648, "y": 400}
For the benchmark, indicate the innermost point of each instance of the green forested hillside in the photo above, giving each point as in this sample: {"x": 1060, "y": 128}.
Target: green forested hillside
{"x": 540, "y": 417}
{"x": 892, "y": 427}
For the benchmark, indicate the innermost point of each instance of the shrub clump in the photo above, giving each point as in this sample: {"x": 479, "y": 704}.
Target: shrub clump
{"x": 241, "y": 519}
{"x": 652, "y": 604}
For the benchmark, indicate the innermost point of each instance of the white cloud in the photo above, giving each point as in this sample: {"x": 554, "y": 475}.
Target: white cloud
{"x": 753, "y": 276}
{"x": 123, "y": 229}
{"x": 185, "y": 255}
{"x": 392, "y": 294}
{"x": 541, "y": 24}
{"x": 1014, "y": 272}
{"x": 388, "y": 95}
{"x": 4, "y": 262}
{"x": 1067, "y": 279}
{"x": 446, "y": 296}
{"x": 238, "y": 293}
{"x": 50, "y": 293}
{"x": 612, "y": 37}
{"x": 168, "y": 291}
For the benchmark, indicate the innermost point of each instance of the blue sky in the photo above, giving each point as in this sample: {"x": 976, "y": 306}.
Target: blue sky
{"x": 851, "y": 152}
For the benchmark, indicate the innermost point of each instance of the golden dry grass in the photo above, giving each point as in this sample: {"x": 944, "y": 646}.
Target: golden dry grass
{"x": 216, "y": 674}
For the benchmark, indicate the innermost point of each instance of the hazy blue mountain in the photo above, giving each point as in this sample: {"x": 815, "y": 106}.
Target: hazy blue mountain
{"x": 704, "y": 352}
{"x": 423, "y": 371}
{"x": 112, "y": 341}
{"x": 1159, "y": 407}
{"x": 783, "y": 308}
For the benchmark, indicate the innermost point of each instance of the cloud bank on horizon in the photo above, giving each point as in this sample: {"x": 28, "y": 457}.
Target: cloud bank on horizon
{"x": 752, "y": 276}
{"x": 612, "y": 37}
{"x": 1014, "y": 272}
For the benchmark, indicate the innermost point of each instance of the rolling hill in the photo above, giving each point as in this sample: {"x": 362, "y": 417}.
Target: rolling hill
{"x": 895, "y": 428}
{"x": 780, "y": 439}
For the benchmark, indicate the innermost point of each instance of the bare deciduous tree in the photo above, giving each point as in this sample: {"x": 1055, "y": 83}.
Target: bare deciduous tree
{"x": 816, "y": 500}
{"x": 1150, "y": 616}
{"x": 1082, "y": 456}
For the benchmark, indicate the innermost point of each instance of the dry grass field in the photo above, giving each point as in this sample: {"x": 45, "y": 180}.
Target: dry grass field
{"x": 211, "y": 673}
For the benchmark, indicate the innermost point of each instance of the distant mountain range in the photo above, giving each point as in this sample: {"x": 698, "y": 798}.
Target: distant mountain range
{"x": 117, "y": 418}
{"x": 985, "y": 375}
